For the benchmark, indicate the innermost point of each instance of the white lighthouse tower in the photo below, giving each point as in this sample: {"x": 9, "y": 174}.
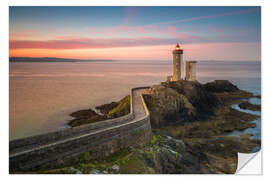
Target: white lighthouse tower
{"x": 189, "y": 66}
{"x": 177, "y": 59}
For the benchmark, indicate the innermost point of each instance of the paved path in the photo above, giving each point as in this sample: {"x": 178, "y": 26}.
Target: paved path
{"x": 138, "y": 110}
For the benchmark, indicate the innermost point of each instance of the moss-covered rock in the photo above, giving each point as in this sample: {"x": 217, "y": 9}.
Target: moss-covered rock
{"x": 123, "y": 108}
{"x": 109, "y": 111}
{"x": 106, "y": 108}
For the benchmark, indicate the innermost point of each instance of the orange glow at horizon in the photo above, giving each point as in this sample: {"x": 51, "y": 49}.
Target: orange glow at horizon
{"x": 199, "y": 51}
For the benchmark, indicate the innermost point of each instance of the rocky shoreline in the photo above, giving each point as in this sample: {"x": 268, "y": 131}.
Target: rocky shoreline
{"x": 107, "y": 111}
{"x": 189, "y": 121}
{"x": 247, "y": 105}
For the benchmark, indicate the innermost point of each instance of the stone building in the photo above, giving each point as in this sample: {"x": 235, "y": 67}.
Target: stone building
{"x": 190, "y": 70}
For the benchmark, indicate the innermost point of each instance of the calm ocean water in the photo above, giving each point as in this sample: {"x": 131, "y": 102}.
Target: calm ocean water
{"x": 42, "y": 95}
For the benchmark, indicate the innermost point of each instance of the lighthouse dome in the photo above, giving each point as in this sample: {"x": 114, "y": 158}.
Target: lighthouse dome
{"x": 177, "y": 47}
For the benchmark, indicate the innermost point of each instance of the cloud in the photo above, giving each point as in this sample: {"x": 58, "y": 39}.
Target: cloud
{"x": 247, "y": 11}
{"x": 148, "y": 35}
{"x": 84, "y": 43}
{"x": 110, "y": 30}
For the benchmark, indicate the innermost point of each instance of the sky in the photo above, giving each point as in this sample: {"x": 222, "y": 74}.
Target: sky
{"x": 136, "y": 33}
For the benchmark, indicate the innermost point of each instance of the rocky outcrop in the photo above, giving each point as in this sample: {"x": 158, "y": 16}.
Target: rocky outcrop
{"x": 166, "y": 106}
{"x": 122, "y": 108}
{"x": 179, "y": 102}
{"x": 85, "y": 117}
{"x": 108, "y": 111}
{"x": 220, "y": 86}
{"x": 249, "y": 106}
{"x": 106, "y": 108}
{"x": 172, "y": 156}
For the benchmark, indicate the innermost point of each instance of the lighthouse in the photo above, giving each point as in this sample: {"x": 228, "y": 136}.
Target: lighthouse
{"x": 189, "y": 67}
{"x": 177, "y": 59}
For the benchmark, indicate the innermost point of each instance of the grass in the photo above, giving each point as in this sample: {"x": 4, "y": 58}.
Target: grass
{"x": 134, "y": 165}
{"x": 85, "y": 165}
{"x": 123, "y": 108}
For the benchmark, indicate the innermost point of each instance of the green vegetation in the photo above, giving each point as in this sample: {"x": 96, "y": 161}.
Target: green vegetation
{"x": 134, "y": 165}
{"x": 109, "y": 111}
{"x": 155, "y": 139}
{"x": 118, "y": 158}
{"x": 123, "y": 108}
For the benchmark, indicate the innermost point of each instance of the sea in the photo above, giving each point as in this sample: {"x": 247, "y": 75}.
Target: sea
{"x": 42, "y": 95}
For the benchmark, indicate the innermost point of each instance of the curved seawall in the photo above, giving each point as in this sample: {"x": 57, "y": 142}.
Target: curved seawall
{"x": 100, "y": 139}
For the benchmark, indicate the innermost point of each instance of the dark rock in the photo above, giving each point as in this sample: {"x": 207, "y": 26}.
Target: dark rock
{"x": 83, "y": 113}
{"x": 220, "y": 86}
{"x": 112, "y": 110}
{"x": 172, "y": 156}
{"x": 106, "y": 108}
{"x": 179, "y": 102}
{"x": 167, "y": 106}
{"x": 85, "y": 117}
{"x": 249, "y": 106}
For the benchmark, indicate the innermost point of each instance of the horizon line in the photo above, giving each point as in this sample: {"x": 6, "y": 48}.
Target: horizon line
{"x": 258, "y": 60}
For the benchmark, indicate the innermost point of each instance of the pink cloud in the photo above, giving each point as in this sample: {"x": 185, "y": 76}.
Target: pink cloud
{"x": 172, "y": 28}
{"x": 171, "y": 31}
{"x": 109, "y": 30}
{"x": 141, "y": 30}
{"x": 84, "y": 43}
{"x": 25, "y": 33}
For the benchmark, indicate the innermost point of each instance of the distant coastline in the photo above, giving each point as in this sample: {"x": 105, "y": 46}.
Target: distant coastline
{"x": 52, "y": 59}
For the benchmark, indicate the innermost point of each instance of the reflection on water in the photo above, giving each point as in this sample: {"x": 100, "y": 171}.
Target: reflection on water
{"x": 256, "y": 132}
{"x": 256, "y": 101}
{"x": 43, "y": 94}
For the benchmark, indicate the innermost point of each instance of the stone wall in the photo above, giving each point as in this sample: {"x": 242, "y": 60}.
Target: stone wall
{"x": 100, "y": 139}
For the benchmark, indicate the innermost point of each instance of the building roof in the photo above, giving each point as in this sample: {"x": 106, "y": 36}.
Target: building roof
{"x": 177, "y": 47}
